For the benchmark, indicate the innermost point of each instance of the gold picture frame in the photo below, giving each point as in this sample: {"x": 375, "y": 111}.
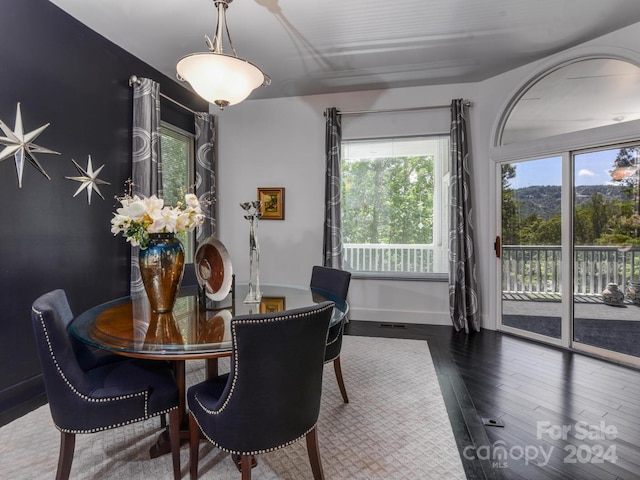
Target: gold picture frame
{"x": 272, "y": 304}
{"x": 272, "y": 199}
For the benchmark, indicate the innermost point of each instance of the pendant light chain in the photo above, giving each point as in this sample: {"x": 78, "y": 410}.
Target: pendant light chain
{"x": 217, "y": 45}
{"x": 220, "y": 78}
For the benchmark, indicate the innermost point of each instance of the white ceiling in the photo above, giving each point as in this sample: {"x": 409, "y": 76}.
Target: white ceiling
{"x": 327, "y": 46}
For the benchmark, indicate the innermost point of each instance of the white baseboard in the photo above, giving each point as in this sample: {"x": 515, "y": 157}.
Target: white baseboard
{"x": 400, "y": 316}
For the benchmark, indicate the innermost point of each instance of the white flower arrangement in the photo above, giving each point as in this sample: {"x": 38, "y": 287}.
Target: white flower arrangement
{"x": 139, "y": 217}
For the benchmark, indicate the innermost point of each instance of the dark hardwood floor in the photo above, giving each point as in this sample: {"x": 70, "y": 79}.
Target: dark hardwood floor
{"x": 565, "y": 415}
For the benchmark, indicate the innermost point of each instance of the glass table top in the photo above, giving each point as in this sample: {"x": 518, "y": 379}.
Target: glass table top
{"x": 196, "y": 328}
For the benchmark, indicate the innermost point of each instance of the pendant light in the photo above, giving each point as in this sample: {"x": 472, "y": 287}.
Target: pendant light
{"x": 218, "y": 77}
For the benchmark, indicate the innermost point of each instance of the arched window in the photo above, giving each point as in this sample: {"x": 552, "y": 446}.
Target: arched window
{"x": 575, "y": 96}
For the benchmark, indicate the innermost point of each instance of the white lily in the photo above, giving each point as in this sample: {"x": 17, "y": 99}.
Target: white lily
{"x": 138, "y": 217}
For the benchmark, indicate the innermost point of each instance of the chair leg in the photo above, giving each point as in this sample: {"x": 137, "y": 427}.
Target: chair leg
{"x": 65, "y": 458}
{"x": 314, "y": 454}
{"x": 194, "y": 447}
{"x": 245, "y": 466}
{"x": 338, "y": 370}
{"x": 174, "y": 438}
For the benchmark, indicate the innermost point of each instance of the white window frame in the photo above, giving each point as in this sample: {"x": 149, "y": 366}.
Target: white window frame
{"x": 440, "y": 214}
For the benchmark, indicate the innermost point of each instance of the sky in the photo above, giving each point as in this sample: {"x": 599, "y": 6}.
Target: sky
{"x": 591, "y": 169}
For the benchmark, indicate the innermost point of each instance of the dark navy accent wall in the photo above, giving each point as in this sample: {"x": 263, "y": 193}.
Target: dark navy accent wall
{"x": 64, "y": 74}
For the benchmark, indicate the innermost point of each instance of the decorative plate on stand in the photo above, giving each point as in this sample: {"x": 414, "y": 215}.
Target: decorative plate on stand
{"x": 213, "y": 268}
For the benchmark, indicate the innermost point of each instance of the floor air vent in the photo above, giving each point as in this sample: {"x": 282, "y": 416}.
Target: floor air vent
{"x": 393, "y": 325}
{"x": 492, "y": 422}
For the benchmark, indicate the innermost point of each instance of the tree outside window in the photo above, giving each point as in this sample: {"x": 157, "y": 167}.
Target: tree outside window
{"x": 394, "y": 204}
{"x": 177, "y": 149}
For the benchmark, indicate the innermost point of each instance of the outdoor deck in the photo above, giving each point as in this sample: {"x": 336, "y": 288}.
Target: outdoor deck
{"x": 595, "y": 323}
{"x": 586, "y": 306}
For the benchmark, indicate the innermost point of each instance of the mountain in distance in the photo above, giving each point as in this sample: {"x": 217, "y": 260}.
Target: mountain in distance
{"x": 544, "y": 200}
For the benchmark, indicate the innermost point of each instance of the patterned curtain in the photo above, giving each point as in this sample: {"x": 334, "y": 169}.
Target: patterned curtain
{"x": 463, "y": 290}
{"x": 206, "y": 173}
{"x": 333, "y": 249}
{"x": 146, "y": 170}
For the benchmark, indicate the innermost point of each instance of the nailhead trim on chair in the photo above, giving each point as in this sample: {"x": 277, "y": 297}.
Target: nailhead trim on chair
{"x": 253, "y": 452}
{"x": 143, "y": 393}
{"x": 116, "y": 425}
{"x": 235, "y": 375}
{"x": 327, "y": 360}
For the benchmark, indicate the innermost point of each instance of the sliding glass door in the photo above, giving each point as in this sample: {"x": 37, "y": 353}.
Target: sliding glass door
{"x": 531, "y": 254}
{"x": 567, "y": 147}
{"x": 592, "y": 304}
{"x": 606, "y": 251}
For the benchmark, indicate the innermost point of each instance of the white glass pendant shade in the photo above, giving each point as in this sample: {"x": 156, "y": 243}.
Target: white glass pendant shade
{"x": 220, "y": 79}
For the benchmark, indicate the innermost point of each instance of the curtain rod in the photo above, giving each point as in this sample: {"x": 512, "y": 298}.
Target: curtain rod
{"x": 134, "y": 79}
{"x": 467, "y": 103}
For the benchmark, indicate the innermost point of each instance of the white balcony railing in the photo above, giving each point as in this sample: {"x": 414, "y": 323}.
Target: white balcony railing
{"x": 419, "y": 258}
{"x": 525, "y": 268}
{"x": 536, "y": 268}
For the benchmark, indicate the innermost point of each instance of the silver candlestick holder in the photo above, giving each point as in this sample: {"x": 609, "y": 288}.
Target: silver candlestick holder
{"x": 253, "y": 214}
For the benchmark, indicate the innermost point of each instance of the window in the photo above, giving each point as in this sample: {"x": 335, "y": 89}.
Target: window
{"x": 178, "y": 178}
{"x": 583, "y": 94}
{"x": 568, "y": 146}
{"x": 395, "y": 205}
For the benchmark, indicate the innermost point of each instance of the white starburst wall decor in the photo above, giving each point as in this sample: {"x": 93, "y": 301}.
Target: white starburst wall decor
{"x": 88, "y": 179}
{"x": 21, "y": 146}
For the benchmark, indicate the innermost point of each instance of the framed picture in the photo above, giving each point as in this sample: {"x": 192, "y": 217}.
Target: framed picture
{"x": 272, "y": 304}
{"x": 272, "y": 203}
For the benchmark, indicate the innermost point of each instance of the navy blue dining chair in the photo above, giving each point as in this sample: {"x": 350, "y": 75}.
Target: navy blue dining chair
{"x": 336, "y": 282}
{"x": 100, "y": 393}
{"x": 271, "y": 396}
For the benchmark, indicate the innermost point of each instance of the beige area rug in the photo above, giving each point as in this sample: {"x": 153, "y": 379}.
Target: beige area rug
{"x": 395, "y": 427}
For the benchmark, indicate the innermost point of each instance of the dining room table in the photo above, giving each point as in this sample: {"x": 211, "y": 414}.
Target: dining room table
{"x": 197, "y": 328}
